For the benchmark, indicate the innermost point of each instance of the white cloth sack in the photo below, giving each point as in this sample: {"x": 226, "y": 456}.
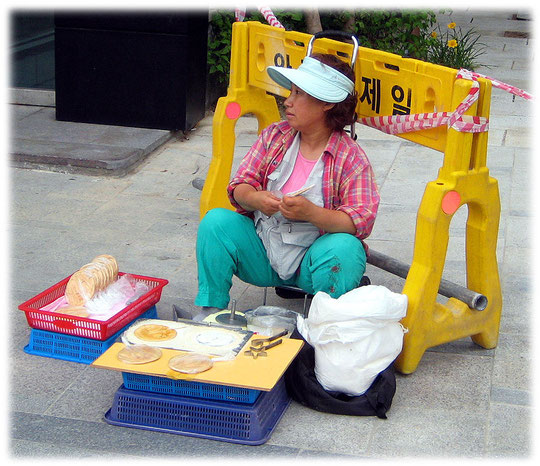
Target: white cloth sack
{"x": 355, "y": 337}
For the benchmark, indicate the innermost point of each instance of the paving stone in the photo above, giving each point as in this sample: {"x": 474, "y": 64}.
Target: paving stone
{"x": 507, "y": 432}
{"x": 429, "y": 433}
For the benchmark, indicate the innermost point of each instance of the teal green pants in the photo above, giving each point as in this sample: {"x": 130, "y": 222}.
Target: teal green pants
{"x": 228, "y": 244}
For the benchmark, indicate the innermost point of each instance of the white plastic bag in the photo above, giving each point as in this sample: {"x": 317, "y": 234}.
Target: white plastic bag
{"x": 116, "y": 297}
{"x": 355, "y": 336}
{"x": 271, "y": 320}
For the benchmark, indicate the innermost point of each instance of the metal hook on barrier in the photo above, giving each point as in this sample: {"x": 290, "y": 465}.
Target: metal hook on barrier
{"x": 331, "y": 34}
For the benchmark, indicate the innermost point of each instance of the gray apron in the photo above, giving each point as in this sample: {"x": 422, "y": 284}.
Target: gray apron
{"x": 287, "y": 241}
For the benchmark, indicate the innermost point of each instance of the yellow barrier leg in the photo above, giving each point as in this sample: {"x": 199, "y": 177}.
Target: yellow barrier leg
{"x": 423, "y": 279}
{"x": 482, "y": 267}
{"x": 431, "y": 323}
{"x": 237, "y": 103}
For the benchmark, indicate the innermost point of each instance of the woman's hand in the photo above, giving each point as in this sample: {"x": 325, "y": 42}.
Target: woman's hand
{"x": 266, "y": 202}
{"x": 296, "y": 208}
{"x": 251, "y": 199}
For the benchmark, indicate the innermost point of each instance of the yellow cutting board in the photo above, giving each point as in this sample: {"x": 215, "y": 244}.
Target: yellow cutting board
{"x": 243, "y": 371}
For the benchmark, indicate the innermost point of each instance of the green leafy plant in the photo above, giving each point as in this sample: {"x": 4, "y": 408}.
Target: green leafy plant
{"x": 219, "y": 46}
{"x": 455, "y": 48}
{"x": 402, "y": 32}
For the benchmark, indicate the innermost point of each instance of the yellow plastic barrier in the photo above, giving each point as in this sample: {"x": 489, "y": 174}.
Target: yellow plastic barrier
{"x": 388, "y": 84}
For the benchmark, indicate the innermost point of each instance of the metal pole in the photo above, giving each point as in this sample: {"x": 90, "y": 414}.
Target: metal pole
{"x": 447, "y": 288}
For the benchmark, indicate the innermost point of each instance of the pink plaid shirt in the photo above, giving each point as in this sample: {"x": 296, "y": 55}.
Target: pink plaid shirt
{"x": 348, "y": 181}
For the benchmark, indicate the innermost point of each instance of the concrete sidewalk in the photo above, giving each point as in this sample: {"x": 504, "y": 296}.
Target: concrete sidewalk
{"x": 462, "y": 402}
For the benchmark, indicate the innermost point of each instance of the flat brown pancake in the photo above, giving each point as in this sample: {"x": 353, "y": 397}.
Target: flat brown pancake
{"x": 139, "y": 354}
{"x": 79, "y": 289}
{"x": 192, "y": 363}
{"x": 154, "y": 332}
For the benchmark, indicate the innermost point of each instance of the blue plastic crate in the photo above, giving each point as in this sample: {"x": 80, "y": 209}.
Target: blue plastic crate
{"x": 248, "y": 424}
{"x": 150, "y": 383}
{"x": 73, "y": 348}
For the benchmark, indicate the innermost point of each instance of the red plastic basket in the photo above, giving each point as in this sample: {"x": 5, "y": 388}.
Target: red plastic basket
{"x": 82, "y": 326}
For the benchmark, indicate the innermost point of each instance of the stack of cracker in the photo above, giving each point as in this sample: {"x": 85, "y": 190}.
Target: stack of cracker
{"x": 90, "y": 279}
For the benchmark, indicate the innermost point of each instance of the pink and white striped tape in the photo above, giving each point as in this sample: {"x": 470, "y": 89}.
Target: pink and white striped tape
{"x": 398, "y": 124}
{"x": 506, "y": 87}
{"x": 269, "y": 17}
{"x": 239, "y": 14}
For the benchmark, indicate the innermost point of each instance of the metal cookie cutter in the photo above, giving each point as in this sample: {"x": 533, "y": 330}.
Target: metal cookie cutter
{"x": 255, "y": 352}
{"x": 261, "y": 341}
{"x": 258, "y": 347}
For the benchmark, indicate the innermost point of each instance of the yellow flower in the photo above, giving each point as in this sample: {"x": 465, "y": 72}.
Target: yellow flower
{"x": 452, "y": 43}
{"x": 434, "y": 34}
{"x": 452, "y": 25}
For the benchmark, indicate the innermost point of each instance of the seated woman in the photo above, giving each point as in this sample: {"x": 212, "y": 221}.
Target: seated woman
{"x": 277, "y": 237}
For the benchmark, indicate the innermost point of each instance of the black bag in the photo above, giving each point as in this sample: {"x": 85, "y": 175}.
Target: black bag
{"x": 303, "y": 387}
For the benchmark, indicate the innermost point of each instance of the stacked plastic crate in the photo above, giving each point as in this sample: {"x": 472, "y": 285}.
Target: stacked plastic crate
{"x": 82, "y": 339}
{"x": 196, "y": 409}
